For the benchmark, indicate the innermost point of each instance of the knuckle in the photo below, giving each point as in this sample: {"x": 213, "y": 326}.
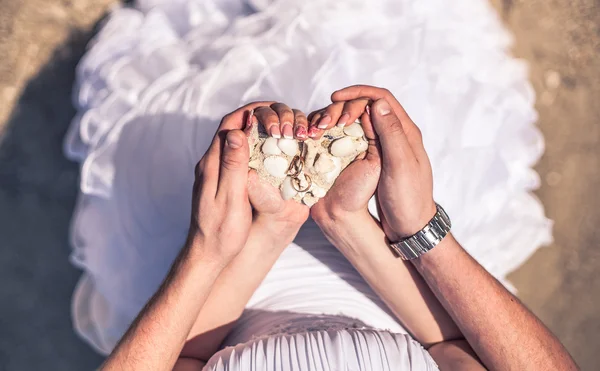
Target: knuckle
{"x": 199, "y": 168}
{"x": 393, "y": 126}
{"x": 226, "y": 118}
{"x": 418, "y": 134}
{"x": 232, "y": 162}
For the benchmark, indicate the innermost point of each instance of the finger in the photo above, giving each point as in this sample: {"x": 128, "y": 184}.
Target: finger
{"x": 233, "y": 173}
{"x": 269, "y": 119}
{"x": 263, "y": 196}
{"x": 286, "y": 119}
{"x": 300, "y": 125}
{"x": 369, "y": 92}
{"x": 374, "y": 93}
{"x": 374, "y": 149}
{"x": 251, "y": 122}
{"x": 234, "y": 120}
{"x": 313, "y": 130}
{"x": 395, "y": 148}
{"x": 352, "y": 111}
{"x": 204, "y": 181}
{"x": 331, "y": 116}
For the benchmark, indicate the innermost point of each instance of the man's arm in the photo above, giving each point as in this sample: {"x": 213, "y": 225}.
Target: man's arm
{"x": 219, "y": 228}
{"x": 502, "y": 331}
{"x": 155, "y": 339}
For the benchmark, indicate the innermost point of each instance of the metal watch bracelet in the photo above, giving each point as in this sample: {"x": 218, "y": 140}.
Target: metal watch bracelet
{"x": 426, "y": 239}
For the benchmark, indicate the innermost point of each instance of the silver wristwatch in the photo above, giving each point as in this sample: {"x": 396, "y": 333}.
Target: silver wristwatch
{"x": 426, "y": 239}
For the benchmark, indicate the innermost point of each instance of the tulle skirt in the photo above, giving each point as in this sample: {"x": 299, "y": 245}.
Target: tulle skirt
{"x": 159, "y": 76}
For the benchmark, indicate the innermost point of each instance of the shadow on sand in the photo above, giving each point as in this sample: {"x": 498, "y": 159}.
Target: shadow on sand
{"x": 38, "y": 187}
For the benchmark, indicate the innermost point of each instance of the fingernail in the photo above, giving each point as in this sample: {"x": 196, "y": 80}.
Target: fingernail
{"x": 233, "y": 141}
{"x": 325, "y": 120}
{"x": 275, "y": 133}
{"x": 383, "y": 107}
{"x": 301, "y": 132}
{"x": 288, "y": 131}
{"x": 368, "y": 110}
{"x": 313, "y": 132}
{"x": 343, "y": 120}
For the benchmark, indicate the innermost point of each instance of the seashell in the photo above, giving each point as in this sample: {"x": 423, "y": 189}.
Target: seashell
{"x": 343, "y": 147}
{"x": 288, "y": 146}
{"x": 324, "y": 164}
{"x": 331, "y": 175}
{"x": 309, "y": 200}
{"x": 362, "y": 146}
{"x": 354, "y": 130}
{"x": 287, "y": 189}
{"x": 276, "y": 166}
{"x": 270, "y": 147}
{"x": 318, "y": 191}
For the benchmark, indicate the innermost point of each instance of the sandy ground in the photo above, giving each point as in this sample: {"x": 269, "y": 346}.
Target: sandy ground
{"x": 40, "y": 44}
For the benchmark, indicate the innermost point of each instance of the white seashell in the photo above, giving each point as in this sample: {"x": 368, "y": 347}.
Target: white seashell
{"x": 324, "y": 164}
{"x": 270, "y": 147}
{"x": 354, "y": 130}
{"x": 276, "y": 166}
{"x": 344, "y": 147}
{"x": 287, "y": 189}
{"x": 333, "y": 174}
{"x": 318, "y": 191}
{"x": 362, "y": 146}
{"x": 288, "y": 146}
{"x": 309, "y": 200}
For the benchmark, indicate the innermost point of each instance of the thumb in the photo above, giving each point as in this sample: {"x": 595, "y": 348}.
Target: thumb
{"x": 233, "y": 173}
{"x": 395, "y": 147}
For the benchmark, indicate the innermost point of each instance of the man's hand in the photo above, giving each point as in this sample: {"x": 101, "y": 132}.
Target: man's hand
{"x": 348, "y": 199}
{"x": 405, "y": 190}
{"x": 221, "y": 211}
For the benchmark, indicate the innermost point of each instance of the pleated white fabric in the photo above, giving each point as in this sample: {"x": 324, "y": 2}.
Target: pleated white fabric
{"x": 159, "y": 76}
{"x": 356, "y": 350}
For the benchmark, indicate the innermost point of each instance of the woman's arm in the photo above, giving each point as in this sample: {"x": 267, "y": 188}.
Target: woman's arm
{"x": 360, "y": 238}
{"x": 503, "y": 333}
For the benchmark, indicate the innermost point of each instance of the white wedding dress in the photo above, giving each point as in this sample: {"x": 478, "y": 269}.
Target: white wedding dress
{"x": 160, "y": 75}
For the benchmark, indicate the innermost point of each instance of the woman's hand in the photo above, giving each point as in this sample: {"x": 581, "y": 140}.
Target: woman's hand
{"x": 348, "y": 199}
{"x": 280, "y": 121}
{"x": 277, "y": 217}
{"x": 221, "y": 211}
{"x": 405, "y": 189}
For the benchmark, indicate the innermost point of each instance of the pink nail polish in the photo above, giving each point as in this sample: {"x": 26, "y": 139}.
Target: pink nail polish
{"x": 313, "y": 132}
{"x": 301, "y": 132}
{"x": 368, "y": 110}
{"x": 288, "y": 132}
{"x": 343, "y": 120}
{"x": 325, "y": 120}
{"x": 275, "y": 133}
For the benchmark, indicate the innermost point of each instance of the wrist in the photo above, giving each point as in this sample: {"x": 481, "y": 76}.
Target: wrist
{"x": 274, "y": 232}
{"x": 400, "y": 228}
{"x": 340, "y": 229}
{"x": 199, "y": 248}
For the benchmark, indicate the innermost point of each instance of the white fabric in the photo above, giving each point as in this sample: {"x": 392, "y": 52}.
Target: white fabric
{"x": 158, "y": 78}
{"x": 357, "y": 350}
